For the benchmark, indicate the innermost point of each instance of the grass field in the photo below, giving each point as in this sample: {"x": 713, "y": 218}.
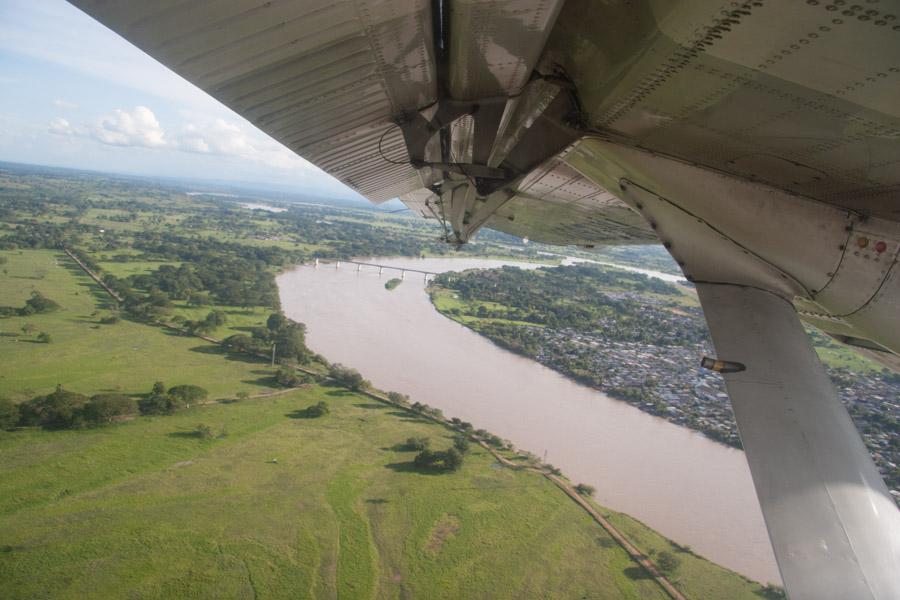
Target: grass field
{"x": 277, "y": 505}
{"x": 146, "y": 510}
{"x": 89, "y": 357}
{"x": 142, "y": 510}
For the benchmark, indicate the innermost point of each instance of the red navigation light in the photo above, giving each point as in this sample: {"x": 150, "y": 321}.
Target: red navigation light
{"x": 880, "y": 247}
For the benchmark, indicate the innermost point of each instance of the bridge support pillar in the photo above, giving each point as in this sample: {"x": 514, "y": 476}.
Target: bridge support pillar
{"x": 317, "y": 263}
{"x": 358, "y": 267}
{"x": 380, "y": 270}
{"x": 402, "y": 274}
{"x": 337, "y": 265}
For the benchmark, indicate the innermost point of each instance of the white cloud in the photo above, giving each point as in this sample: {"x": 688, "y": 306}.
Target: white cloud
{"x": 137, "y": 128}
{"x": 217, "y": 137}
{"x": 60, "y": 126}
{"x": 122, "y": 128}
{"x": 64, "y": 104}
{"x": 220, "y": 137}
{"x": 203, "y": 135}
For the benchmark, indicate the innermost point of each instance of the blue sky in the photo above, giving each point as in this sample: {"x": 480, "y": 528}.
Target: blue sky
{"x": 75, "y": 94}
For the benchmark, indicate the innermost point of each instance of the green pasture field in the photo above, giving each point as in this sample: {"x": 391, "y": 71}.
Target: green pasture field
{"x": 290, "y": 507}
{"x": 89, "y": 357}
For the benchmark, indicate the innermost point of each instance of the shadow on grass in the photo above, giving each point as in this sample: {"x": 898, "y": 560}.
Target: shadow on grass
{"x": 167, "y": 331}
{"x": 376, "y": 501}
{"x": 401, "y": 447}
{"x": 215, "y": 350}
{"x": 303, "y": 413}
{"x": 101, "y": 297}
{"x": 339, "y": 393}
{"x": 637, "y": 573}
{"x": 408, "y": 417}
{"x": 411, "y": 467}
{"x": 369, "y": 405}
{"x": 208, "y": 349}
{"x": 269, "y": 381}
{"x": 196, "y": 435}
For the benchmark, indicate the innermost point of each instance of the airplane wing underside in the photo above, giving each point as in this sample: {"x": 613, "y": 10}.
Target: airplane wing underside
{"x": 759, "y": 141}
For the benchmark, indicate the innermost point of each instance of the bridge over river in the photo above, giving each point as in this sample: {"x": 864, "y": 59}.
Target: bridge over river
{"x": 337, "y": 262}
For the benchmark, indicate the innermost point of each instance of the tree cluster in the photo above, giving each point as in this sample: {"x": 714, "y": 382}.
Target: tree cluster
{"x": 161, "y": 401}
{"x": 63, "y": 409}
{"x": 291, "y": 378}
{"x": 288, "y": 337}
{"x": 439, "y": 460}
{"x": 36, "y": 304}
{"x": 348, "y": 378}
{"x": 213, "y": 320}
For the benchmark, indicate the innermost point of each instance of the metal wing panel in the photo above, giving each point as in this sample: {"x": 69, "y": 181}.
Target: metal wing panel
{"x": 495, "y": 44}
{"x": 324, "y": 78}
{"x": 556, "y": 204}
{"x": 798, "y": 95}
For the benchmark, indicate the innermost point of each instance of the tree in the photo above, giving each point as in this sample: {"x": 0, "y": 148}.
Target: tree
{"x": 9, "y": 413}
{"x": 348, "y": 378}
{"x": 461, "y": 444}
{"x": 452, "y": 459}
{"x": 44, "y": 337}
{"x": 447, "y": 460}
{"x": 204, "y": 432}
{"x": 290, "y": 343}
{"x": 28, "y": 328}
{"x": 417, "y": 443}
{"x": 157, "y": 402}
{"x": 319, "y": 409}
{"x": 426, "y": 459}
{"x": 61, "y": 409}
{"x": 585, "y": 489}
{"x": 106, "y": 408}
{"x": 288, "y": 377}
{"x": 243, "y": 395}
{"x": 667, "y": 562}
{"x": 276, "y": 322}
{"x": 398, "y": 398}
{"x": 38, "y": 303}
{"x": 199, "y": 299}
{"x": 216, "y": 318}
{"x": 187, "y": 394}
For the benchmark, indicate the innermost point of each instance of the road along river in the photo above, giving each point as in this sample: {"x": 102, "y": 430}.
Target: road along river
{"x": 691, "y": 489}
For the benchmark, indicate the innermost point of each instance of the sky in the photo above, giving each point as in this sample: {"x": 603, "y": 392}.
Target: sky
{"x": 75, "y": 94}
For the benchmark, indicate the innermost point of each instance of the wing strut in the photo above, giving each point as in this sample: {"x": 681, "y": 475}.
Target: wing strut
{"x": 833, "y": 525}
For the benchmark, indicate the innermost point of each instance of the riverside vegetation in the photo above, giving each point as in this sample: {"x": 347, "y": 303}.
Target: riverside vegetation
{"x": 236, "y": 477}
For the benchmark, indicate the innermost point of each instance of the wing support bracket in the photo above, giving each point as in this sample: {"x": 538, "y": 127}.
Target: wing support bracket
{"x": 833, "y": 525}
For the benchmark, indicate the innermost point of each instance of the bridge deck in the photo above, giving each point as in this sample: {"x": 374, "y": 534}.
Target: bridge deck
{"x": 367, "y": 264}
